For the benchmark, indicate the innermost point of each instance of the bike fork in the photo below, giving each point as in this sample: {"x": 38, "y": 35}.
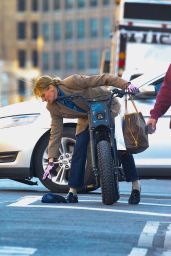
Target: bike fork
{"x": 93, "y": 156}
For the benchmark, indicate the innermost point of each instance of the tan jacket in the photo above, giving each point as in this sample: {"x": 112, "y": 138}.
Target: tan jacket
{"x": 89, "y": 87}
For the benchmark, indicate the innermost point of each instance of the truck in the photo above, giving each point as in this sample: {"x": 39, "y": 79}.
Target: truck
{"x": 142, "y": 36}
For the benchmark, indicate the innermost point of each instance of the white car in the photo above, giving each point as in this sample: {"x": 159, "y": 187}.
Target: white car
{"x": 24, "y": 135}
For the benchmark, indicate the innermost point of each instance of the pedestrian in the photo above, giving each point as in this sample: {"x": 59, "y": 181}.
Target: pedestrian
{"x": 48, "y": 88}
{"x": 163, "y": 101}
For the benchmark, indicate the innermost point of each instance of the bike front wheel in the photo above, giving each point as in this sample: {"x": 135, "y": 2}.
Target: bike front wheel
{"x": 108, "y": 176}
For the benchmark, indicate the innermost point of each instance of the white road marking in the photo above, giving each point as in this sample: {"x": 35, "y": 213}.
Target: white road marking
{"x": 166, "y": 253}
{"x": 167, "y": 241}
{"x": 138, "y": 251}
{"x": 17, "y": 251}
{"x": 148, "y": 233}
{"x": 26, "y": 201}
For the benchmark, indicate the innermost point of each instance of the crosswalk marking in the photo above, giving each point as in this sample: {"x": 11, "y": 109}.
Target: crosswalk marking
{"x": 167, "y": 241}
{"x": 17, "y": 251}
{"x": 25, "y": 201}
{"x": 138, "y": 251}
{"x": 148, "y": 233}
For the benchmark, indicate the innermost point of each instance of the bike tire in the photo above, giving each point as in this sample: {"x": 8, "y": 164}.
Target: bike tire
{"x": 108, "y": 175}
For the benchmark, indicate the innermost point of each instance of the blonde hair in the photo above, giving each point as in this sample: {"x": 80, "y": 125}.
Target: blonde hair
{"x": 43, "y": 82}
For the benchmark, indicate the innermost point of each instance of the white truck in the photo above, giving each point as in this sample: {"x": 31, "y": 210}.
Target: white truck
{"x": 143, "y": 36}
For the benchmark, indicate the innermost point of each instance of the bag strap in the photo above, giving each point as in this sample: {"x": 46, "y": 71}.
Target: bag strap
{"x": 126, "y": 104}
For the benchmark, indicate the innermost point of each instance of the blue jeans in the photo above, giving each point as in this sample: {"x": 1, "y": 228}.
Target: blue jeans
{"x": 76, "y": 179}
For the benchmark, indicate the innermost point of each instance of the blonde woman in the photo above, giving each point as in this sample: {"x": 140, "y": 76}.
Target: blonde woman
{"x": 48, "y": 89}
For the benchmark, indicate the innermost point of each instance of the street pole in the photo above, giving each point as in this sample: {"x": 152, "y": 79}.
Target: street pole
{"x": 114, "y": 38}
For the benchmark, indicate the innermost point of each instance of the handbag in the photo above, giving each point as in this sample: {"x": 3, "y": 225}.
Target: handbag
{"x": 134, "y": 130}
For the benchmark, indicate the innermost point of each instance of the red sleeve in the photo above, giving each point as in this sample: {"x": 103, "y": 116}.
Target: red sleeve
{"x": 163, "y": 100}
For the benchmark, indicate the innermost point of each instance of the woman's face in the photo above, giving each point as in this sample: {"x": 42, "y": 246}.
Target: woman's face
{"x": 49, "y": 94}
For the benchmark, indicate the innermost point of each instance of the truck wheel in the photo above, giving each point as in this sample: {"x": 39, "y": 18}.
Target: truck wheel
{"x": 108, "y": 176}
{"x": 59, "y": 181}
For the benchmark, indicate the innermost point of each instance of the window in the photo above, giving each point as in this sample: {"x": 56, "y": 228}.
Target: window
{"x": 34, "y": 30}
{"x": 21, "y": 30}
{"x": 80, "y": 60}
{"x": 106, "y": 29}
{"x": 68, "y": 29}
{"x": 56, "y": 31}
{"x": 56, "y": 5}
{"x": 22, "y": 58}
{"x": 35, "y": 58}
{"x": 68, "y": 4}
{"x": 34, "y": 5}
{"x": 68, "y": 60}
{"x": 21, "y": 5}
{"x": 45, "y": 61}
{"x": 45, "y": 28}
{"x": 80, "y": 3}
{"x": 93, "y": 28}
{"x": 80, "y": 29}
{"x": 45, "y": 5}
{"x": 94, "y": 59}
{"x": 21, "y": 87}
{"x": 57, "y": 60}
{"x": 106, "y": 2}
{"x": 93, "y": 2}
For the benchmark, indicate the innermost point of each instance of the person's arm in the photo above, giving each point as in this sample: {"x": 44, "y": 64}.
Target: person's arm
{"x": 55, "y": 136}
{"x": 84, "y": 82}
{"x": 163, "y": 100}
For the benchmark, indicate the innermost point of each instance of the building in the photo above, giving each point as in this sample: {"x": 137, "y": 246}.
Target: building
{"x": 58, "y": 37}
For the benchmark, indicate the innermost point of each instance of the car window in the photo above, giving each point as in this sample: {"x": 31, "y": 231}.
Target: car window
{"x": 157, "y": 85}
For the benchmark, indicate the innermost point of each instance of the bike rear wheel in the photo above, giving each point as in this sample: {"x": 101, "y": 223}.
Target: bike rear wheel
{"x": 108, "y": 174}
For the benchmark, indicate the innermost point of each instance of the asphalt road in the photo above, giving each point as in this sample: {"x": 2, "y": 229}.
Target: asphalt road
{"x": 29, "y": 227}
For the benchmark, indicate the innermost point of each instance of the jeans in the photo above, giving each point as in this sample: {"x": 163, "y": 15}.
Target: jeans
{"x": 76, "y": 179}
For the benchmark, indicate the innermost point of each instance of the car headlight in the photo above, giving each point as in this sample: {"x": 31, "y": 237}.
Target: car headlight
{"x": 18, "y": 120}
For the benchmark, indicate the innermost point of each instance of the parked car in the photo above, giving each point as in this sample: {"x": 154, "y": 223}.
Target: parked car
{"x": 24, "y": 135}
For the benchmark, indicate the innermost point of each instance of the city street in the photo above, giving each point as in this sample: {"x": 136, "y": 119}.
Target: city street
{"x": 29, "y": 227}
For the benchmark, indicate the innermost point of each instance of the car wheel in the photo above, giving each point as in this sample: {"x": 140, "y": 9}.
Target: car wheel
{"x": 58, "y": 182}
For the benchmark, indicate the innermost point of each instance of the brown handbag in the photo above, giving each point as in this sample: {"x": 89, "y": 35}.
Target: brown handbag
{"x": 134, "y": 130}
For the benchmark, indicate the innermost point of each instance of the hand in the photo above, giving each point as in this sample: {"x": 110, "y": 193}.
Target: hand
{"x": 132, "y": 88}
{"x": 48, "y": 170}
{"x": 152, "y": 122}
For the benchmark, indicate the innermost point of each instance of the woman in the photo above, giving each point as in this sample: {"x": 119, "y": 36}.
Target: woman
{"x": 49, "y": 88}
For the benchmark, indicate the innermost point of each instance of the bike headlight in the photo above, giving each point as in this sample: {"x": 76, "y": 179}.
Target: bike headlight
{"x": 100, "y": 116}
{"x": 18, "y": 120}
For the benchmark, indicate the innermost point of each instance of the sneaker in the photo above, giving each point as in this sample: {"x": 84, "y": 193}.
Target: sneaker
{"x": 134, "y": 197}
{"x": 70, "y": 198}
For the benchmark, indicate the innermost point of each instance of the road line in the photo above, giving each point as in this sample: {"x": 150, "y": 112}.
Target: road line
{"x": 31, "y": 199}
{"x": 138, "y": 251}
{"x": 28, "y": 200}
{"x": 24, "y": 201}
{"x": 69, "y": 207}
{"x": 148, "y": 233}
{"x": 23, "y": 251}
{"x": 167, "y": 241}
{"x": 166, "y": 253}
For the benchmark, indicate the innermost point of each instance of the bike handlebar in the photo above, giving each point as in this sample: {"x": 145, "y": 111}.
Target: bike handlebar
{"x": 115, "y": 92}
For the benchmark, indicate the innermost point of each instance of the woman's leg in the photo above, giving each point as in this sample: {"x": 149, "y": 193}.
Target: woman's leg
{"x": 128, "y": 165}
{"x": 76, "y": 179}
{"x": 131, "y": 174}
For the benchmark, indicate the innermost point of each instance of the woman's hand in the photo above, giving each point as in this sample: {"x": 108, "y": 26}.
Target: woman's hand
{"x": 48, "y": 170}
{"x": 132, "y": 88}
